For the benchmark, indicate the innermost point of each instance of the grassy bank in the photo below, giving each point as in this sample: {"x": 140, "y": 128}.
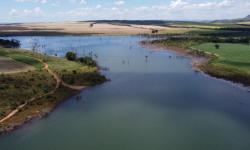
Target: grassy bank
{"x": 18, "y": 88}
{"x": 227, "y": 48}
{"x": 232, "y": 61}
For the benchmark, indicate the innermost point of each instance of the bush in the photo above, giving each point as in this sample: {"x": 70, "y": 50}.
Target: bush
{"x": 88, "y": 61}
{"x": 217, "y": 46}
{"x": 71, "y": 56}
{"x": 10, "y": 43}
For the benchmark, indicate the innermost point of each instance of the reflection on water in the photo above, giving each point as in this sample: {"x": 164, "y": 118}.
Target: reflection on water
{"x": 155, "y": 101}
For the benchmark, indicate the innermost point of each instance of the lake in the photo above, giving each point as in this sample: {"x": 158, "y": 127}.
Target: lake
{"x": 154, "y": 101}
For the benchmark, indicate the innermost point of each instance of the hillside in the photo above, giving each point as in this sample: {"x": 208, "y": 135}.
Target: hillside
{"x": 238, "y": 20}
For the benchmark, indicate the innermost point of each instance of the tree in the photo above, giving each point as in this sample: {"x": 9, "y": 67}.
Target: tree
{"x": 10, "y": 43}
{"x": 88, "y": 61}
{"x": 217, "y": 46}
{"x": 71, "y": 56}
{"x": 35, "y": 45}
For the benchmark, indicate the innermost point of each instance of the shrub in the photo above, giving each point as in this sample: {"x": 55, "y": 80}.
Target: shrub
{"x": 10, "y": 43}
{"x": 217, "y": 46}
{"x": 71, "y": 56}
{"x": 88, "y": 61}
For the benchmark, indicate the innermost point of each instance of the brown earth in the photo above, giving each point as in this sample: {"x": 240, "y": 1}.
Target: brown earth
{"x": 8, "y": 65}
{"x": 77, "y": 28}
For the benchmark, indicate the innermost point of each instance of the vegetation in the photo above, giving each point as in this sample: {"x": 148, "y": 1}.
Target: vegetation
{"x": 71, "y": 56}
{"x": 88, "y": 61}
{"x": 232, "y": 55}
{"x": 19, "y": 88}
{"x": 226, "y": 45}
{"x": 9, "y": 43}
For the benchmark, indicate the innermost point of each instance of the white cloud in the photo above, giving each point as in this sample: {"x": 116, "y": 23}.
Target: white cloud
{"x": 119, "y": 2}
{"x": 78, "y": 1}
{"x": 177, "y": 3}
{"x": 38, "y": 1}
{"x": 175, "y": 10}
{"x": 35, "y": 12}
{"x": 83, "y": 1}
{"x": 98, "y": 6}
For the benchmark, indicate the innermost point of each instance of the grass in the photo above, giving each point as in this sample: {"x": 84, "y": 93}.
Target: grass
{"x": 232, "y": 61}
{"x": 233, "y": 55}
{"x": 21, "y": 56}
{"x": 75, "y": 73}
{"x": 17, "y": 88}
{"x": 27, "y": 60}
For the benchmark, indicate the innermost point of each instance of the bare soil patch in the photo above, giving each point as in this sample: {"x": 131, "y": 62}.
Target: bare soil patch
{"x": 8, "y": 65}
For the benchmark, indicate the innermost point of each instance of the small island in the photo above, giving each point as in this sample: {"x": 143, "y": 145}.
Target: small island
{"x": 32, "y": 84}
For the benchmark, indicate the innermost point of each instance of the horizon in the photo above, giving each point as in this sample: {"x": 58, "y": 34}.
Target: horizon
{"x": 31, "y": 11}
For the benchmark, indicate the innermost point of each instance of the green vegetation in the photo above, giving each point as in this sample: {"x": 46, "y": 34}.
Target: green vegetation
{"x": 71, "y": 56}
{"x": 10, "y": 43}
{"x": 19, "y": 88}
{"x": 15, "y": 89}
{"x": 27, "y": 60}
{"x": 226, "y": 45}
{"x": 75, "y": 72}
{"x": 232, "y": 61}
{"x": 88, "y": 61}
{"x": 233, "y": 55}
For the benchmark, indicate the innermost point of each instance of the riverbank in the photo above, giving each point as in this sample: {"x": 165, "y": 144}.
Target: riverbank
{"x": 35, "y": 93}
{"x": 204, "y": 61}
{"x": 197, "y": 61}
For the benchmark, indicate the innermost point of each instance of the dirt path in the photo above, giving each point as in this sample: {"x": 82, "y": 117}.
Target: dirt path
{"x": 58, "y": 83}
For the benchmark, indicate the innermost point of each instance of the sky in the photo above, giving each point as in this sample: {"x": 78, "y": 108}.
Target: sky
{"x": 12, "y": 11}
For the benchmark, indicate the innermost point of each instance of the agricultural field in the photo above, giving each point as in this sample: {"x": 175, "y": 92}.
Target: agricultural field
{"x": 233, "y": 55}
{"x": 231, "y": 62}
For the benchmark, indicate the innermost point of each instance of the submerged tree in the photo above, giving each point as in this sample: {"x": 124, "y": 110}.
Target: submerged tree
{"x": 35, "y": 45}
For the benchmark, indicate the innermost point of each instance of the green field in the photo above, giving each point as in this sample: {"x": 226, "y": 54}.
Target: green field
{"x": 233, "y": 55}
{"x": 232, "y": 61}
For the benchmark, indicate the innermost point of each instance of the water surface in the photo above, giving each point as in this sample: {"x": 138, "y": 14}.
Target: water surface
{"x": 154, "y": 103}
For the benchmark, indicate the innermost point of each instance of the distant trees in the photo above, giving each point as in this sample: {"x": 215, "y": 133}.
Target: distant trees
{"x": 154, "y": 31}
{"x": 86, "y": 60}
{"x": 10, "y": 43}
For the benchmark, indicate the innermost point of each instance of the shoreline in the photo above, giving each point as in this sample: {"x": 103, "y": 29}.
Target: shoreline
{"x": 40, "y": 106}
{"x": 198, "y": 63}
{"x": 37, "y": 116}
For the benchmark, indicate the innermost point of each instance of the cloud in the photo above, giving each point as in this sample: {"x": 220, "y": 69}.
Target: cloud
{"x": 177, "y": 3}
{"x": 98, "y": 6}
{"x": 119, "y": 2}
{"x": 35, "y": 12}
{"x": 78, "y": 1}
{"x": 38, "y": 1}
{"x": 83, "y": 1}
{"x": 174, "y": 10}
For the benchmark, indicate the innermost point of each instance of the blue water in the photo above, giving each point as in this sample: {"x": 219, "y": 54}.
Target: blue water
{"x": 154, "y": 103}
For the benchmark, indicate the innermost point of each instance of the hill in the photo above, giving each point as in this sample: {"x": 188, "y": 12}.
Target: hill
{"x": 238, "y": 20}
